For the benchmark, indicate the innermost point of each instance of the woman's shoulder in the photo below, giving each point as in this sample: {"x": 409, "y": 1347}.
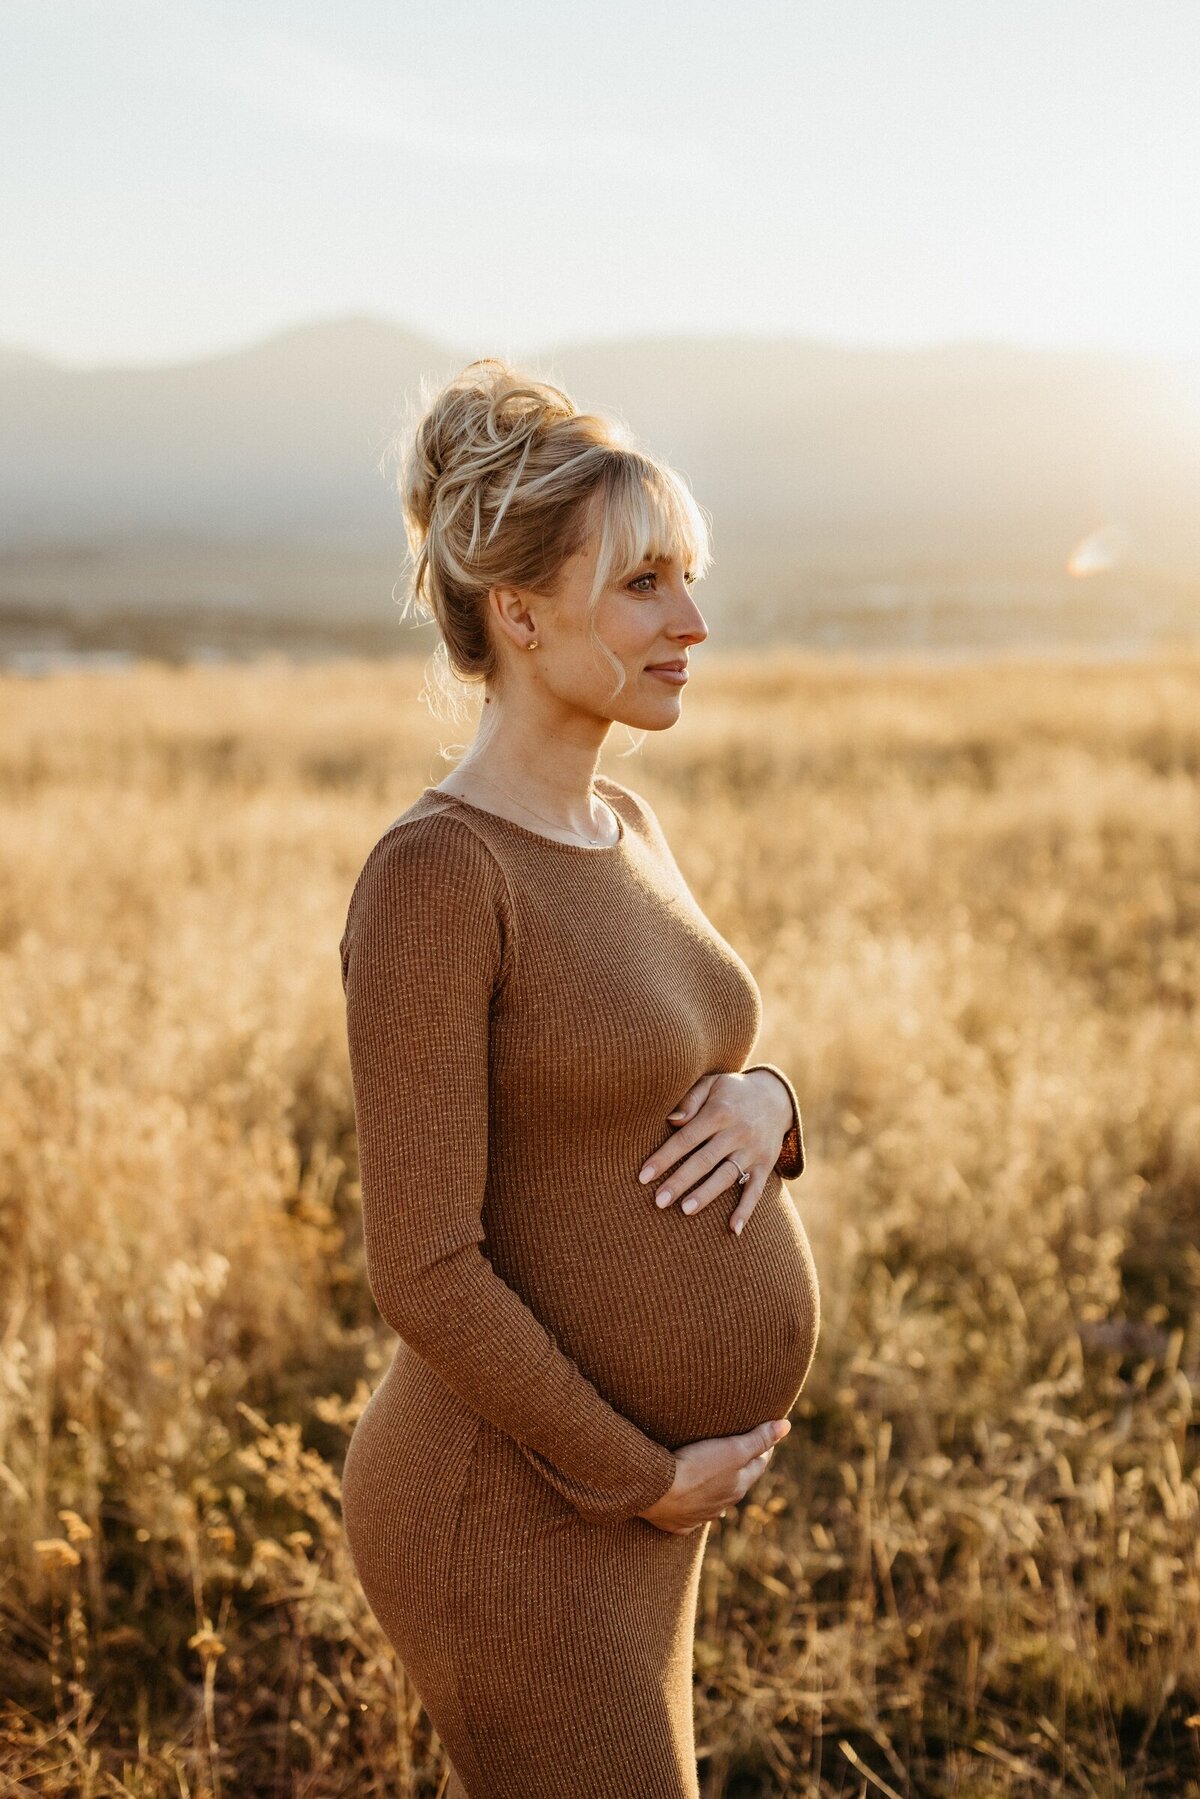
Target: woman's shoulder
{"x": 431, "y": 864}
{"x": 432, "y": 839}
{"x": 634, "y": 806}
{"x": 635, "y": 802}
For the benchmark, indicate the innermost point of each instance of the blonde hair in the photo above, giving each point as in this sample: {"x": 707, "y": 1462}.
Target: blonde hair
{"x": 502, "y": 480}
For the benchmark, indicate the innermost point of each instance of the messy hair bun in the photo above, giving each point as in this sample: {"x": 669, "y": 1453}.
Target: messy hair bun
{"x": 503, "y": 479}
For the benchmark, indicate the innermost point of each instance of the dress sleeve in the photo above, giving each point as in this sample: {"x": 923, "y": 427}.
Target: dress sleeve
{"x": 790, "y": 1163}
{"x": 428, "y": 942}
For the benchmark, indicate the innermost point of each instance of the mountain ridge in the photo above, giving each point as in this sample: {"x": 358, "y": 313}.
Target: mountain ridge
{"x": 813, "y": 460}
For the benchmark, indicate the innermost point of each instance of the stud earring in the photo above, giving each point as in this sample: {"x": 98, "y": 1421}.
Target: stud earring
{"x": 532, "y": 644}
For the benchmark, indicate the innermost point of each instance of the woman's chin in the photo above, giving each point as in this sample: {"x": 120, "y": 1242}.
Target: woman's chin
{"x": 649, "y": 718}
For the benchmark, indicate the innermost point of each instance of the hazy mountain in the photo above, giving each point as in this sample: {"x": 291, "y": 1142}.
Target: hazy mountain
{"x": 278, "y": 439}
{"x": 818, "y": 463}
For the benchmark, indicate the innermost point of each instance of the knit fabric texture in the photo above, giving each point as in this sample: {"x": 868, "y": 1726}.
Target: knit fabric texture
{"x": 522, "y": 1014}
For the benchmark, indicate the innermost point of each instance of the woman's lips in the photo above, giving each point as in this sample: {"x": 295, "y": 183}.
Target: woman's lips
{"x": 675, "y": 677}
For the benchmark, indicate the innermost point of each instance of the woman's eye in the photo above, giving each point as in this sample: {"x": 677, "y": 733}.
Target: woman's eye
{"x": 652, "y": 575}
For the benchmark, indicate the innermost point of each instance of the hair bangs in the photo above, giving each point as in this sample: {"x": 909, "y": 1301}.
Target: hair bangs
{"x": 647, "y": 514}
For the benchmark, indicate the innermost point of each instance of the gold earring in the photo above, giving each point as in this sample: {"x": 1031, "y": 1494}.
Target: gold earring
{"x": 532, "y": 644}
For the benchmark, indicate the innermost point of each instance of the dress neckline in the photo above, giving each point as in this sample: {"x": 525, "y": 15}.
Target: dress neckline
{"x": 554, "y": 843}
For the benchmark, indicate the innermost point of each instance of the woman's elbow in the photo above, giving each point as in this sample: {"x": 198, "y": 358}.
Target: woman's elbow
{"x": 418, "y": 1298}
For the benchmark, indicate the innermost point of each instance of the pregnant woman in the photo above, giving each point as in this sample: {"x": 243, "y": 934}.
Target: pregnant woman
{"x": 572, "y": 1185}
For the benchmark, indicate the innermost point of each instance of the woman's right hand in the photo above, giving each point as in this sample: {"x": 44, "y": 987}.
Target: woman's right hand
{"x": 712, "y": 1474}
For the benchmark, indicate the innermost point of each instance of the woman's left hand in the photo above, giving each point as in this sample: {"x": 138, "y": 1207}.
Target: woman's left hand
{"x": 723, "y": 1119}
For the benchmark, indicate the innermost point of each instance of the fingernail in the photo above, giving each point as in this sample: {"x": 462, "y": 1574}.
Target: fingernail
{"x": 783, "y": 1430}
{"x": 689, "y": 1205}
{"x": 674, "y": 1114}
{"x": 737, "y": 1229}
{"x": 663, "y": 1197}
{"x": 647, "y": 1174}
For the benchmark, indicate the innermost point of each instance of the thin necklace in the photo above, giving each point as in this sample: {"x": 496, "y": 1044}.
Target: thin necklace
{"x": 594, "y": 841}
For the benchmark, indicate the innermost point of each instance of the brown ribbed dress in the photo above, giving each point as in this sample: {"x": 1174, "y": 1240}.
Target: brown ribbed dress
{"x": 522, "y": 1015}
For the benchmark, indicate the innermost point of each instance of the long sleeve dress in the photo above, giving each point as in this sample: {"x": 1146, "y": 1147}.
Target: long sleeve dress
{"x": 522, "y": 1014}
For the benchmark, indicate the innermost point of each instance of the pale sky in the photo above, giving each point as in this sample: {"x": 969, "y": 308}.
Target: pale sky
{"x": 184, "y": 176}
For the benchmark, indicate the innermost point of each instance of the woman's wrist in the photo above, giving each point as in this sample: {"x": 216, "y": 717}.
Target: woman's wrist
{"x": 791, "y": 1159}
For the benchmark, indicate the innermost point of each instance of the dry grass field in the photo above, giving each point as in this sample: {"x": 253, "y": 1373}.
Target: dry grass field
{"x": 971, "y": 897}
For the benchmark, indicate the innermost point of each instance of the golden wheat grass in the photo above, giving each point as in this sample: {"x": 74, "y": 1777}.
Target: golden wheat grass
{"x": 972, "y": 899}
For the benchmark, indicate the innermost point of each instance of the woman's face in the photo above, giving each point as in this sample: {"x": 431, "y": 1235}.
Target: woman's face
{"x": 648, "y": 619}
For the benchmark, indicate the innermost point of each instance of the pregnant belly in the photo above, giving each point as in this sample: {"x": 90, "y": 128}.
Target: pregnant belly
{"x": 687, "y": 1329}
